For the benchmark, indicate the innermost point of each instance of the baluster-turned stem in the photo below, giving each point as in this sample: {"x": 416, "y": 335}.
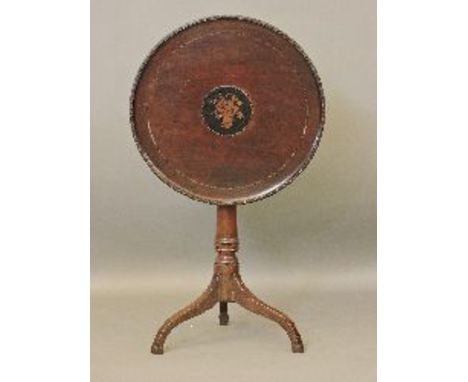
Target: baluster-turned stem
{"x": 226, "y": 244}
{"x": 226, "y": 240}
{"x": 227, "y": 286}
{"x": 226, "y": 223}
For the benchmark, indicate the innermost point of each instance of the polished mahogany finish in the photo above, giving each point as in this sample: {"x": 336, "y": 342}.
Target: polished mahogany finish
{"x": 227, "y": 111}
{"x": 227, "y": 286}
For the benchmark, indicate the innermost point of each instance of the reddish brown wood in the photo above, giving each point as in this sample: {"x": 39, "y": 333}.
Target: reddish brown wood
{"x": 276, "y": 94}
{"x": 227, "y": 286}
{"x": 228, "y": 111}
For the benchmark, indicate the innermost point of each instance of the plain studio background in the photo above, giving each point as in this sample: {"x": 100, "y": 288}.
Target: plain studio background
{"x": 310, "y": 250}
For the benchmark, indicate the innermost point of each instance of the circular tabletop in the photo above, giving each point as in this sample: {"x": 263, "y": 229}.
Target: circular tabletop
{"x": 227, "y": 110}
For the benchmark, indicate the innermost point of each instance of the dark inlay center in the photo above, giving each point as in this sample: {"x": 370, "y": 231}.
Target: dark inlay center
{"x": 226, "y": 110}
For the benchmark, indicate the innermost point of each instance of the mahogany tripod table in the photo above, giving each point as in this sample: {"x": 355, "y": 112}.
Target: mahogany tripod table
{"x": 227, "y": 111}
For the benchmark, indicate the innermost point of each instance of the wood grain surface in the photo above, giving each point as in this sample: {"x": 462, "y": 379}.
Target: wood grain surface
{"x": 231, "y": 146}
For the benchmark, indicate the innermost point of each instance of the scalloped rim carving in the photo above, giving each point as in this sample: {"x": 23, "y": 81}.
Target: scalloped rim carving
{"x": 235, "y": 201}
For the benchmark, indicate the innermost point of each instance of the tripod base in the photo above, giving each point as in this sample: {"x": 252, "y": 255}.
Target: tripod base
{"x": 227, "y": 286}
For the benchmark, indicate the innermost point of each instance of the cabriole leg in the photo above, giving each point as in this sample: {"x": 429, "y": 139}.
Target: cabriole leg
{"x": 246, "y": 299}
{"x": 206, "y": 301}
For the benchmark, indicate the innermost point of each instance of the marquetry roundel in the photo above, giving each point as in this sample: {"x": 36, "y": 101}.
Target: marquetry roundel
{"x": 227, "y": 110}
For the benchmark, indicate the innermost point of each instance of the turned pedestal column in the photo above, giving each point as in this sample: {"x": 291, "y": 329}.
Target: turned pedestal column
{"x": 227, "y": 111}
{"x": 227, "y": 287}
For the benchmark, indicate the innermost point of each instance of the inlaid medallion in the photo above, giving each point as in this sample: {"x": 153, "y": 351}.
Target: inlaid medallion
{"x": 226, "y": 110}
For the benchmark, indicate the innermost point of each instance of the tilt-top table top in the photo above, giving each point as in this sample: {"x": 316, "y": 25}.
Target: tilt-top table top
{"x": 227, "y": 110}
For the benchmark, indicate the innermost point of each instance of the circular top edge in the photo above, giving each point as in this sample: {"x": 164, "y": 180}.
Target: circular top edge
{"x": 234, "y": 201}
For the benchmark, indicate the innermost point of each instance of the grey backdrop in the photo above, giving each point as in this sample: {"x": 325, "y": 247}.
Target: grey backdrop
{"x": 311, "y": 249}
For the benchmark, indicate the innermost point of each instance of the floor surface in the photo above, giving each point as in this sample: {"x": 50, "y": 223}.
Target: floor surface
{"x": 338, "y": 326}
